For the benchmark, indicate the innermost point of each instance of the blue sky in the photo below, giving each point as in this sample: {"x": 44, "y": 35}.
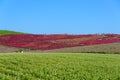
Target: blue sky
{"x": 60, "y": 16}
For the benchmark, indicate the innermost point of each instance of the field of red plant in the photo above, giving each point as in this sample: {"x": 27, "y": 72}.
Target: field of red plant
{"x": 56, "y": 41}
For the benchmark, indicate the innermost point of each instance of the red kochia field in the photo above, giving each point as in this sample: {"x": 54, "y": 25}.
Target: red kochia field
{"x": 56, "y": 41}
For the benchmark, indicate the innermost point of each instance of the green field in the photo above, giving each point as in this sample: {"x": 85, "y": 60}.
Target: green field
{"x": 59, "y": 66}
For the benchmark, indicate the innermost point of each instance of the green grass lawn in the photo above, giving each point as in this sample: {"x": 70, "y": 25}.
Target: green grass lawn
{"x": 61, "y": 66}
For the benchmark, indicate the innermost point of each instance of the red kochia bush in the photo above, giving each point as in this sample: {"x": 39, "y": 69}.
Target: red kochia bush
{"x": 46, "y": 42}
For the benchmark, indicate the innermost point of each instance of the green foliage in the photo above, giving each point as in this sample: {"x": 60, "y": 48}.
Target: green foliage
{"x": 5, "y": 32}
{"x": 52, "y": 66}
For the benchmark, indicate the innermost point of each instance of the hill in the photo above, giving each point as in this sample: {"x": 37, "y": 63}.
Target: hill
{"x": 53, "y": 42}
{"x": 5, "y": 32}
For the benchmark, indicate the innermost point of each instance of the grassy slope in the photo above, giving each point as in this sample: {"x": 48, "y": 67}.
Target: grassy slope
{"x": 104, "y": 48}
{"x": 5, "y": 32}
{"x": 59, "y": 66}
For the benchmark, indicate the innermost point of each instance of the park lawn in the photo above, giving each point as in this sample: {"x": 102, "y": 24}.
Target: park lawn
{"x": 59, "y": 66}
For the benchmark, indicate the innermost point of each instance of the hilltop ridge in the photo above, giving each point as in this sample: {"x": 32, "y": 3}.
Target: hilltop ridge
{"x": 5, "y": 32}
